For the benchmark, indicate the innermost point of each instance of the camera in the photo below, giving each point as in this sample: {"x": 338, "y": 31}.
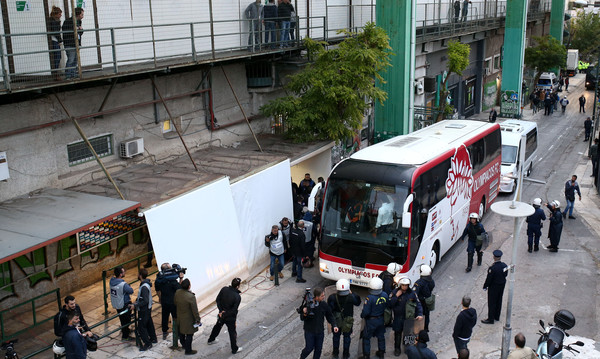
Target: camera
{"x": 308, "y": 302}
{"x": 9, "y": 349}
{"x": 173, "y": 272}
{"x": 178, "y": 269}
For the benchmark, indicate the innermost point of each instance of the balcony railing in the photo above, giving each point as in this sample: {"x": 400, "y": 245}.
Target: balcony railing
{"x": 26, "y": 58}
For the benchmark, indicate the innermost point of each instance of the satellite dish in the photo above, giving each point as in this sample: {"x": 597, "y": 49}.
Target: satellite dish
{"x": 580, "y": 3}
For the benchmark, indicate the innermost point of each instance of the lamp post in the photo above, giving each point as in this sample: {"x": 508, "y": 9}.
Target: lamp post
{"x": 518, "y": 211}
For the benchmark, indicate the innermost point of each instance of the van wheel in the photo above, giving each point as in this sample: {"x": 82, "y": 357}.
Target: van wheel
{"x": 434, "y": 257}
{"x": 481, "y": 208}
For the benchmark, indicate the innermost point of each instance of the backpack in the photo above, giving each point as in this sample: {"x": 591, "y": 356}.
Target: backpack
{"x": 59, "y": 318}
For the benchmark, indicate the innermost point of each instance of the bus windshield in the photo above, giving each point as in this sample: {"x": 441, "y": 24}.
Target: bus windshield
{"x": 362, "y": 221}
{"x": 509, "y": 154}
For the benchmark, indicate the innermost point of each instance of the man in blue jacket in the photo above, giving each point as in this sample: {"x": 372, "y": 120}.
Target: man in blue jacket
{"x": 534, "y": 226}
{"x": 73, "y": 341}
{"x": 372, "y": 312}
{"x": 420, "y": 350}
{"x": 313, "y": 318}
{"x": 463, "y": 327}
{"x": 571, "y": 187}
{"x": 401, "y": 299}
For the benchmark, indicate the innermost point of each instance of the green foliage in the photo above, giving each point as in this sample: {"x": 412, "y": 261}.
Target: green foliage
{"x": 585, "y": 30}
{"x": 549, "y": 53}
{"x": 458, "y": 61}
{"x": 329, "y": 97}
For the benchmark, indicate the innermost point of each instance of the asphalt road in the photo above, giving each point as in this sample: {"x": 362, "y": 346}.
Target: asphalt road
{"x": 269, "y": 327}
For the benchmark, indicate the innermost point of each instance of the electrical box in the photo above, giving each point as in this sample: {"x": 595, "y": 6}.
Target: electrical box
{"x": 132, "y": 147}
{"x": 3, "y": 167}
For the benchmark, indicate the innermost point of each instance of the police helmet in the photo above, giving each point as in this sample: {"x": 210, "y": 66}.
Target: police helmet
{"x": 556, "y": 203}
{"x": 425, "y": 270}
{"x": 375, "y": 285}
{"x": 343, "y": 286}
{"x": 474, "y": 215}
{"x": 58, "y": 347}
{"x": 394, "y": 268}
{"x": 404, "y": 281}
{"x": 537, "y": 202}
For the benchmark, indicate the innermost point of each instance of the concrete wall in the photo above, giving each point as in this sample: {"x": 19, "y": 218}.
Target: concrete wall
{"x": 38, "y": 158}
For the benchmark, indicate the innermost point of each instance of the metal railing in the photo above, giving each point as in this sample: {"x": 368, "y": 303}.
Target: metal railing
{"x": 35, "y": 322}
{"x": 106, "y": 293}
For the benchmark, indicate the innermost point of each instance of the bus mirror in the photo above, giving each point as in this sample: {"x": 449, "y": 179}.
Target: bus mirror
{"x": 406, "y": 212}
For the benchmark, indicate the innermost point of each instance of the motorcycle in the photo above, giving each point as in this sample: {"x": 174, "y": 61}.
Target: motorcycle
{"x": 550, "y": 344}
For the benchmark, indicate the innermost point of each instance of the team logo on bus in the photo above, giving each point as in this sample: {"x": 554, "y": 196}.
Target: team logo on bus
{"x": 460, "y": 177}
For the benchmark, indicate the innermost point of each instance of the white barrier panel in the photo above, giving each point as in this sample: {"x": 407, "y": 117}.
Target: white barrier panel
{"x": 261, "y": 200}
{"x": 198, "y": 230}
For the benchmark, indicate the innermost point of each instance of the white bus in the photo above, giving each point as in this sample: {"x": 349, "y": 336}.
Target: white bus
{"x": 407, "y": 199}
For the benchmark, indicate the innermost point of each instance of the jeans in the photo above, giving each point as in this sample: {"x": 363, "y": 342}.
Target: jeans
{"x": 297, "y": 266}
{"x": 71, "y": 66}
{"x": 336, "y": 343}
{"x": 314, "y": 341}
{"x": 285, "y": 33}
{"x": 55, "y": 56}
{"x": 254, "y": 31}
{"x": 270, "y": 33}
{"x": 460, "y": 344}
{"x": 279, "y": 267}
{"x": 569, "y": 207}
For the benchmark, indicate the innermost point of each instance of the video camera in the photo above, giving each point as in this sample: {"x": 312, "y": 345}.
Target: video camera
{"x": 9, "y": 349}
{"x": 308, "y": 302}
{"x": 173, "y": 272}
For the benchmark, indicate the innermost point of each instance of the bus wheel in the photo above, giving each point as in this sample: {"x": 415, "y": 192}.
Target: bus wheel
{"x": 434, "y": 256}
{"x": 481, "y": 208}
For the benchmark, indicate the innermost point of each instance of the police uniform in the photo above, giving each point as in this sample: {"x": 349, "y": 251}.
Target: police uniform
{"x": 494, "y": 283}
{"x": 372, "y": 312}
{"x": 534, "y": 228}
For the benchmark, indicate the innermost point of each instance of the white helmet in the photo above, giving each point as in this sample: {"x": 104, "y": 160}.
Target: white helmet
{"x": 58, "y": 348}
{"x": 394, "y": 268}
{"x": 473, "y": 215}
{"x": 404, "y": 280}
{"x": 537, "y": 202}
{"x": 375, "y": 285}
{"x": 425, "y": 270}
{"x": 343, "y": 286}
{"x": 556, "y": 203}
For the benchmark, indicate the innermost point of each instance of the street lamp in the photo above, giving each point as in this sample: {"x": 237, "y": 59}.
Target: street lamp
{"x": 517, "y": 210}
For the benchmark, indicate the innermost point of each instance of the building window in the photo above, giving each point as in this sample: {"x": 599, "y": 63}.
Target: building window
{"x": 497, "y": 63}
{"x": 487, "y": 66}
{"x": 79, "y": 152}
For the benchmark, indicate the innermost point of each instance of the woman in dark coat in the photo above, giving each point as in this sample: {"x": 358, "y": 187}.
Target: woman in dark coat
{"x": 187, "y": 315}
{"x": 556, "y": 224}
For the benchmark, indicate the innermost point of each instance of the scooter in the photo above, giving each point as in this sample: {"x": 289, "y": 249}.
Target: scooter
{"x": 550, "y": 344}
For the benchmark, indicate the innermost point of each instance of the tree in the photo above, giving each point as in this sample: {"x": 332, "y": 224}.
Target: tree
{"x": 330, "y": 96}
{"x": 548, "y": 54}
{"x": 585, "y": 35}
{"x": 458, "y": 60}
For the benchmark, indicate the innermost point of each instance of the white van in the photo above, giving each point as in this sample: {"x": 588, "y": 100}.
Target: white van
{"x": 548, "y": 81}
{"x": 511, "y": 131}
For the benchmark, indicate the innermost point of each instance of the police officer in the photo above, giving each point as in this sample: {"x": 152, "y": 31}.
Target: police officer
{"x": 556, "y": 224}
{"x": 401, "y": 299}
{"x": 341, "y": 304}
{"x": 473, "y": 229}
{"x": 534, "y": 226}
{"x": 424, "y": 289}
{"x": 372, "y": 312}
{"x": 387, "y": 276}
{"x": 494, "y": 284}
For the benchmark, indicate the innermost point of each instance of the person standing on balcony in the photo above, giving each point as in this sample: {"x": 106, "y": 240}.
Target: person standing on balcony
{"x": 284, "y": 12}
{"x": 456, "y": 10}
{"x": 253, "y": 15}
{"x": 465, "y": 10}
{"x": 71, "y": 42}
{"x": 270, "y": 22}
{"x": 55, "y": 39}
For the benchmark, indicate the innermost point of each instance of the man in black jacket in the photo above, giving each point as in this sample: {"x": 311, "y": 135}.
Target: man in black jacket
{"x": 72, "y": 307}
{"x": 342, "y": 305}
{"x": 228, "y": 302}
{"x": 166, "y": 285}
{"x": 313, "y": 318}
{"x": 494, "y": 284}
{"x": 71, "y": 43}
{"x": 463, "y": 328}
{"x": 298, "y": 250}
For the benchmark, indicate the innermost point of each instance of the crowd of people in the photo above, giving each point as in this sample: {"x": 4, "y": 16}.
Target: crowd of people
{"x": 276, "y": 21}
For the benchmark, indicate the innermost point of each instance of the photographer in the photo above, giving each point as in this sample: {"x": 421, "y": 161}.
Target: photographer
{"x": 167, "y": 283}
{"x": 314, "y": 311}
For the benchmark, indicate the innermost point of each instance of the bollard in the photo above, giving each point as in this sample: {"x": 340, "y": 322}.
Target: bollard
{"x": 276, "y": 272}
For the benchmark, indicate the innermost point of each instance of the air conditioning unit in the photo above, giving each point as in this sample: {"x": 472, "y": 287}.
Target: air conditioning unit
{"x": 132, "y": 147}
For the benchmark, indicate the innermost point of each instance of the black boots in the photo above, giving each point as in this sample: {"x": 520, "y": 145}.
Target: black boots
{"x": 529, "y": 248}
{"x": 469, "y": 262}
{"x": 479, "y": 258}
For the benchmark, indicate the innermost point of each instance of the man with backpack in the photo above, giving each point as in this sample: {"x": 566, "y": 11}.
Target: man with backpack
{"x": 341, "y": 304}
{"x": 120, "y": 299}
